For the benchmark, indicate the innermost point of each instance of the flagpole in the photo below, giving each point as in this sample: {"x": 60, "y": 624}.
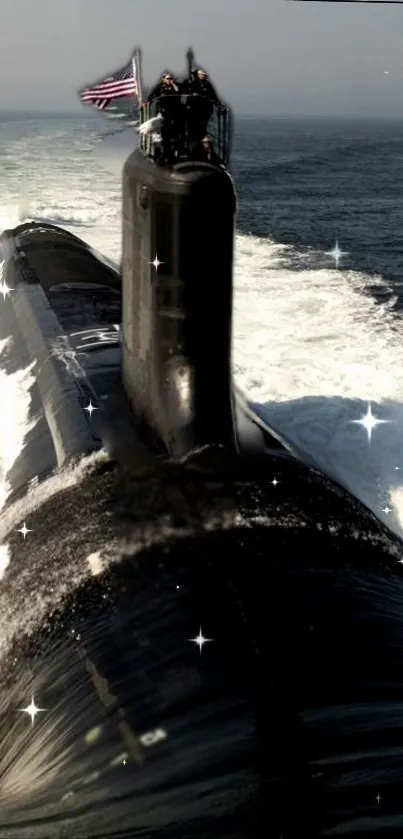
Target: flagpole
{"x": 137, "y": 75}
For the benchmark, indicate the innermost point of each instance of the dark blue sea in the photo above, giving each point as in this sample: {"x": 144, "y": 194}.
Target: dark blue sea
{"x": 307, "y": 182}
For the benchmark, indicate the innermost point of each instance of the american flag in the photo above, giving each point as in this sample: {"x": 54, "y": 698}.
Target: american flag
{"x": 122, "y": 83}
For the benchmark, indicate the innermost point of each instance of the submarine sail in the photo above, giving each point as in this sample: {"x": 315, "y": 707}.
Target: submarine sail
{"x": 178, "y": 229}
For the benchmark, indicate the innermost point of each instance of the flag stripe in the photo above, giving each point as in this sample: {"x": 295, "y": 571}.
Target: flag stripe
{"x": 122, "y": 83}
{"x": 110, "y": 93}
{"x": 111, "y": 88}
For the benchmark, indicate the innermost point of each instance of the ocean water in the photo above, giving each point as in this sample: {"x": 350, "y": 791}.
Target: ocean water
{"x": 288, "y": 722}
{"x": 314, "y": 341}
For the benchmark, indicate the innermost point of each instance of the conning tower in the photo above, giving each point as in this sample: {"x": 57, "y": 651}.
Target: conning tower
{"x": 177, "y": 260}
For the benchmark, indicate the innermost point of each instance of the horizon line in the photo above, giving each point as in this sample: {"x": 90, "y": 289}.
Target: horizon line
{"x": 91, "y": 113}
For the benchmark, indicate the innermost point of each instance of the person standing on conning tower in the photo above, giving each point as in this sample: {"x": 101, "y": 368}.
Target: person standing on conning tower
{"x": 200, "y": 104}
{"x": 167, "y": 95}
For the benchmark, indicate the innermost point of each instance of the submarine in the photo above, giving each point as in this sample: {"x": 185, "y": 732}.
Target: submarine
{"x": 200, "y": 633}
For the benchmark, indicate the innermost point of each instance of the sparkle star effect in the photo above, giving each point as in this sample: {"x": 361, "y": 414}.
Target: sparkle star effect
{"x": 32, "y": 710}
{"x": 387, "y": 510}
{"x": 5, "y": 289}
{"x": 24, "y": 530}
{"x": 200, "y": 640}
{"x": 156, "y": 262}
{"x": 274, "y": 482}
{"x": 90, "y": 408}
{"x": 336, "y": 253}
{"x": 369, "y": 421}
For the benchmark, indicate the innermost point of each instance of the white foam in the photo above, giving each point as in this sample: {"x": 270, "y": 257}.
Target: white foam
{"x": 4, "y": 559}
{"x": 37, "y": 495}
{"x": 15, "y": 423}
{"x": 95, "y": 563}
{"x": 315, "y": 348}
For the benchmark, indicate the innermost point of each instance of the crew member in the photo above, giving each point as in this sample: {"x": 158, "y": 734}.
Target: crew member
{"x": 202, "y": 86}
{"x": 203, "y": 150}
{"x": 201, "y": 98}
{"x": 167, "y": 94}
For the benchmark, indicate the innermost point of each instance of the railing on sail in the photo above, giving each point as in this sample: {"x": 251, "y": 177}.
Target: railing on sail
{"x": 174, "y": 131}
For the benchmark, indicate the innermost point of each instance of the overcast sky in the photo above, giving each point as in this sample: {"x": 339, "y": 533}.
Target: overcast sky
{"x": 264, "y": 56}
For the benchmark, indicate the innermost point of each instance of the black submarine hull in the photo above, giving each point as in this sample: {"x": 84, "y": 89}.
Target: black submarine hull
{"x": 287, "y": 722}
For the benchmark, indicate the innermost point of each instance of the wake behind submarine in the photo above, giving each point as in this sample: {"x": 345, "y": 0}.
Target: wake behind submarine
{"x": 201, "y": 635}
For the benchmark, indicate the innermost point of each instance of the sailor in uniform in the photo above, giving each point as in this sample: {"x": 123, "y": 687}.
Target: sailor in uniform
{"x": 167, "y": 95}
{"x": 201, "y": 98}
{"x": 204, "y": 150}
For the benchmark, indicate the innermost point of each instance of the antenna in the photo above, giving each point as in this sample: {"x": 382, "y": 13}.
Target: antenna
{"x": 190, "y": 58}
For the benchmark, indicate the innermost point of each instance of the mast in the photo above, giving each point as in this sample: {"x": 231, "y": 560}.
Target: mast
{"x": 190, "y": 58}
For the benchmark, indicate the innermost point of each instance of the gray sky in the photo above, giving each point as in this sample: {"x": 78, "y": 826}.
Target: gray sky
{"x": 264, "y": 56}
